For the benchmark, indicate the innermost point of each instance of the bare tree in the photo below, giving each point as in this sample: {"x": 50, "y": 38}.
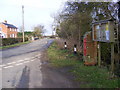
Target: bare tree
{"x": 38, "y": 31}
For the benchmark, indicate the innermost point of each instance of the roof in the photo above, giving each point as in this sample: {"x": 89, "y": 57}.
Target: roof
{"x": 10, "y": 25}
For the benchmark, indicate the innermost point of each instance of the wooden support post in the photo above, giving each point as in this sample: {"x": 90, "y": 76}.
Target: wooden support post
{"x": 112, "y": 57}
{"x": 99, "y": 54}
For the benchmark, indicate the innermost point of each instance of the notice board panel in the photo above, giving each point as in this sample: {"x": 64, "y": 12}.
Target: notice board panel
{"x": 103, "y": 31}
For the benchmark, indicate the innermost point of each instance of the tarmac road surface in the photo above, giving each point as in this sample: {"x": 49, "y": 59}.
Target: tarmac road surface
{"x": 20, "y": 67}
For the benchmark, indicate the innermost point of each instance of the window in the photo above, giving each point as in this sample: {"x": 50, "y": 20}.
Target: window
{"x": 13, "y": 35}
{"x": 0, "y": 29}
{"x": 5, "y": 36}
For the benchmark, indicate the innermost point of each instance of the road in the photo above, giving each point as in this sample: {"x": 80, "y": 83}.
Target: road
{"x": 21, "y": 67}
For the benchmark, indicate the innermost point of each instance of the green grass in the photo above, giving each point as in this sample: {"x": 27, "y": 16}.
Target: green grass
{"x": 14, "y": 45}
{"x": 88, "y": 76}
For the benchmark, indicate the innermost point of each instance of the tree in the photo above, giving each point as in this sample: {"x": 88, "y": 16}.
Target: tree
{"x": 38, "y": 31}
{"x": 27, "y": 34}
{"x": 76, "y": 18}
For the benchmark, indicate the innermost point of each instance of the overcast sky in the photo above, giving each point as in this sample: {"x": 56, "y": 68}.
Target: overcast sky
{"x": 36, "y": 12}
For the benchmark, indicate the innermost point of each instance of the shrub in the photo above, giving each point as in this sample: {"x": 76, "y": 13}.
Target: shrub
{"x": 10, "y": 41}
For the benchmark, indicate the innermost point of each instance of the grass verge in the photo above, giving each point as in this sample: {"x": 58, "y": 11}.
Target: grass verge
{"x": 14, "y": 45}
{"x": 88, "y": 76}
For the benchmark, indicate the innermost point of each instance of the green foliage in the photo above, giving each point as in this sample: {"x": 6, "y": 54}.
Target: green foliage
{"x": 88, "y": 76}
{"x": 94, "y": 77}
{"x": 14, "y": 45}
{"x": 38, "y": 31}
{"x": 106, "y": 52}
{"x": 58, "y": 59}
{"x": 76, "y": 17}
{"x": 75, "y": 21}
{"x": 10, "y": 41}
{"x": 27, "y": 34}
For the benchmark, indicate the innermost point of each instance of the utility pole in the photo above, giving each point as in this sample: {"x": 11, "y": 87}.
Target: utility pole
{"x": 23, "y": 23}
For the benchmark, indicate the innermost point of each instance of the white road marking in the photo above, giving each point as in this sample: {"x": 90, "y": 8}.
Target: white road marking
{"x": 7, "y": 66}
{"x": 37, "y": 55}
{"x": 18, "y": 64}
{"x": 32, "y": 57}
{"x": 20, "y": 60}
{"x": 26, "y": 58}
{"x": 11, "y": 63}
{"x": 32, "y": 60}
{"x": 26, "y": 62}
{"x": 0, "y": 65}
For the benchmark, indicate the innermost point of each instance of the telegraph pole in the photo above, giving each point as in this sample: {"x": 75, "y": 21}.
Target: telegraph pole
{"x": 23, "y": 23}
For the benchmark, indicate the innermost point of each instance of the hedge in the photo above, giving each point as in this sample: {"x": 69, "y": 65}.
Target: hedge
{"x": 10, "y": 41}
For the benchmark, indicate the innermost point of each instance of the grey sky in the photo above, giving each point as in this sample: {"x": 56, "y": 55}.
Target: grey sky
{"x": 36, "y": 12}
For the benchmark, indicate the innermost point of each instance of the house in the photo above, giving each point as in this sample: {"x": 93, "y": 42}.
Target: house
{"x": 8, "y": 30}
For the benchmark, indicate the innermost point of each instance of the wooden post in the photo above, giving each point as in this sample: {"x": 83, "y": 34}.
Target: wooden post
{"x": 99, "y": 54}
{"x": 23, "y": 23}
{"x": 112, "y": 57}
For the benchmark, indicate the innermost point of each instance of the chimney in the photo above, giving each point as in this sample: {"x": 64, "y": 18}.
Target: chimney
{"x": 5, "y": 21}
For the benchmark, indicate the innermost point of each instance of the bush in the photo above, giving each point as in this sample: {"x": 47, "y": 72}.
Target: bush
{"x": 10, "y": 41}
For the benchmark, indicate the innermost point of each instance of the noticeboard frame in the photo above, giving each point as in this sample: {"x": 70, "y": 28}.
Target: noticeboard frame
{"x": 103, "y": 31}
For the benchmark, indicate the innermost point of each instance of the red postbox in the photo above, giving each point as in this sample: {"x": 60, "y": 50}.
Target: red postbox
{"x": 89, "y": 50}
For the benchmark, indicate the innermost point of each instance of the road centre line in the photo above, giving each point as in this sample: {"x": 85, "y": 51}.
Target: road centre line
{"x": 2, "y": 65}
{"x": 21, "y": 60}
{"x": 18, "y": 64}
{"x": 10, "y": 63}
{"x": 26, "y": 60}
{"x": 37, "y": 55}
{"x": 8, "y": 66}
{"x": 32, "y": 60}
{"x": 14, "y": 62}
{"x": 33, "y": 57}
{"x": 18, "y": 61}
